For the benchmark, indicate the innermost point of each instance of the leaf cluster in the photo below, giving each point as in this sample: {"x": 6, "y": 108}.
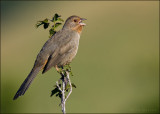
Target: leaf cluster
{"x": 54, "y": 23}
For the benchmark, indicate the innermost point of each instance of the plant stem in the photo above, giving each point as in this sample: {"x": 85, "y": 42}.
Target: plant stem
{"x": 70, "y": 84}
{"x": 63, "y": 96}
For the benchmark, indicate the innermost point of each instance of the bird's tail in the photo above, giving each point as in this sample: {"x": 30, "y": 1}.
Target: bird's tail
{"x": 25, "y": 85}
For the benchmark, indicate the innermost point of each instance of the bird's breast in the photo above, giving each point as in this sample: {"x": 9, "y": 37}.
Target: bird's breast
{"x": 78, "y": 29}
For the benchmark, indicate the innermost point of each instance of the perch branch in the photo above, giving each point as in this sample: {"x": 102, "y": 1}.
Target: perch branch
{"x": 69, "y": 81}
{"x": 58, "y": 86}
{"x": 63, "y": 97}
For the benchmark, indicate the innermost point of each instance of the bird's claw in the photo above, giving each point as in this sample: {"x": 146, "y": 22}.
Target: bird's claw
{"x": 57, "y": 69}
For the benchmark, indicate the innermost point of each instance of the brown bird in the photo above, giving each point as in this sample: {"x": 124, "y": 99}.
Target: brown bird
{"x": 58, "y": 51}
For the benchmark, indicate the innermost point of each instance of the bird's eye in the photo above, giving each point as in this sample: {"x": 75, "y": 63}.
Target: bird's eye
{"x": 75, "y": 20}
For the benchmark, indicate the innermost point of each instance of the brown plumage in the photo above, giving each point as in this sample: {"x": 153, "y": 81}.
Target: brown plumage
{"x": 58, "y": 51}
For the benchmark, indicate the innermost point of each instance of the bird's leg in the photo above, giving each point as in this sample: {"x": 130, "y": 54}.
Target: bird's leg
{"x": 60, "y": 70}
{"x": 57, "y": 68}
{"x": 70, "y": 84}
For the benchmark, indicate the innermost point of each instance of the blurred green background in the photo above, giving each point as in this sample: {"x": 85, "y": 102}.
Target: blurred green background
{"x": 116, "y": 69}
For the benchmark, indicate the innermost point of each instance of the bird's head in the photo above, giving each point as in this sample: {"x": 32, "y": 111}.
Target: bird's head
{"x": 74, "y": 23}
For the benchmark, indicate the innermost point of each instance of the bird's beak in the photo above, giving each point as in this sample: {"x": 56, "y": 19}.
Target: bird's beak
{"x": 82, "y": 19}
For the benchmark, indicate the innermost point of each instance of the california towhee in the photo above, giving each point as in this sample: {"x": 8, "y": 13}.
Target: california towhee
{"x": 58, "y": 51}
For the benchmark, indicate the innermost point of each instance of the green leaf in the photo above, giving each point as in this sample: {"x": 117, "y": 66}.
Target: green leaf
{"x": 71, "y": 73}
{"x": 57, "y": 24}
{"x": 44, "y": 23}
{"x": 73, "y": 85}
{"x": 59, "y": 95}
{"x": 56, "y": 16}
{"x": 60, "y": 19}
{"x": 54, "y": 91}
{"x": 51, "y": 32}
{"x": 38, "y": 24}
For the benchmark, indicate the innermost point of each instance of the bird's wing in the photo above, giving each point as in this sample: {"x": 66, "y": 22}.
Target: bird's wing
{"x": 47, "y": 51}
{"x": 52, "y": 60}
{"x": 63, "y": 46}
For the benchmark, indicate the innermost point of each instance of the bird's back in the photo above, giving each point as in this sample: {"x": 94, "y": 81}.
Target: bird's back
{"x": 66, "y": 48}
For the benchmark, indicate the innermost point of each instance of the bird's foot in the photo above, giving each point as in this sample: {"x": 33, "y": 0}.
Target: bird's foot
{"x": 58, "y": 70}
